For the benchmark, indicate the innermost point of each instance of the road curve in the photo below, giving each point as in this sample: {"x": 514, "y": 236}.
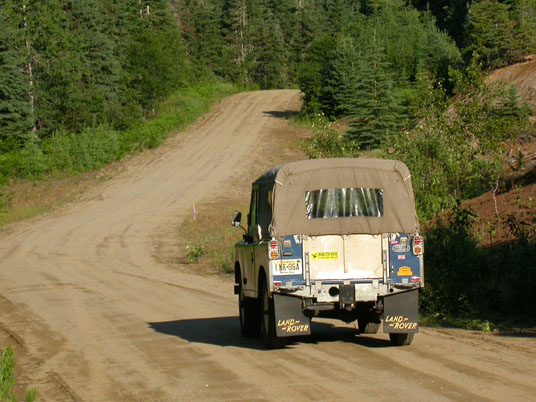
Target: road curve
{"x": 100, "y": 319}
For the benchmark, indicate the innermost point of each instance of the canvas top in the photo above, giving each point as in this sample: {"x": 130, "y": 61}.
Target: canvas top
{"x": 312, "y": 197}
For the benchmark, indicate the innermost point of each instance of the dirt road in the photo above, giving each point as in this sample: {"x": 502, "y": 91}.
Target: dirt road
{"x": 95, "y": 317}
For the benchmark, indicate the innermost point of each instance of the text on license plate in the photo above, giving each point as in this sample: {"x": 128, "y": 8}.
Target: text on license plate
{"x": 287, "y": 267}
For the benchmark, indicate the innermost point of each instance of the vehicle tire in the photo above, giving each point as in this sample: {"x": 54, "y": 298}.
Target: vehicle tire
{"x": 248, "y": 308}
{"x": 368, "y": 327}
{"x": 401, "y": 339}
{"x": 268, "y": 328}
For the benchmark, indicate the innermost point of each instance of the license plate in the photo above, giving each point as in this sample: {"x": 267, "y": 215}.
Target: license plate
{"x": 287, "y": 267}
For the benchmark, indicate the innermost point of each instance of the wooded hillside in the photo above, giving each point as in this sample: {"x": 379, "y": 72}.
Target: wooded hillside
{"x": 68, "y": 65}
{"x": 72, "y": 64}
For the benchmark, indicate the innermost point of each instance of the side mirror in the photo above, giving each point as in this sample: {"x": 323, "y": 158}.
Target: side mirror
{"x": 237, "y": 217}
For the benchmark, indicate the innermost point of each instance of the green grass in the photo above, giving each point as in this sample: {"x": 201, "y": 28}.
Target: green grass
{"x": 95, "y": 147}
{"x": 8, "y": 380}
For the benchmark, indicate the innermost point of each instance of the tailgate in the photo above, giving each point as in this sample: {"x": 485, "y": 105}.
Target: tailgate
{"x": 345, "y": 257}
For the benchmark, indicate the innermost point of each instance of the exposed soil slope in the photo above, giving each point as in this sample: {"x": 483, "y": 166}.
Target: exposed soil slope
{"x": 515, "y": 197}
{"x": 522, "y": 76}
{"x": 94, "y": 316}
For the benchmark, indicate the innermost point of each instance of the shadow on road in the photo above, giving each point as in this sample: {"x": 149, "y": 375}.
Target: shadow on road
{"x": 220, "y": 331}
{"x": 225, "y": 331}
{"x": 285, "y": 114}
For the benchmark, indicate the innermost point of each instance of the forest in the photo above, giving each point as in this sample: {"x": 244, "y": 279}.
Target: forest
{"x": 73, "y": 65}
{"x": 86, "y": 82}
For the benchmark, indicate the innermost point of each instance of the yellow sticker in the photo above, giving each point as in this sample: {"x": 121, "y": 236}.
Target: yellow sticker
{"x": 405, "y": 271}
{"x": 325, "y": 255}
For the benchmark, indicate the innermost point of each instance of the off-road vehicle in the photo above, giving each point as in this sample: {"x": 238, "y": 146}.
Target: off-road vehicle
{"x": 335, "y": 238}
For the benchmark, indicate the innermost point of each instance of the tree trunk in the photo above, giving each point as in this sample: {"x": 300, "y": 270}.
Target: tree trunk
{"x": 29, "y": 68}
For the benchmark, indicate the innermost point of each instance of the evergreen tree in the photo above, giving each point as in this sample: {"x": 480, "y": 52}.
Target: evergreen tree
{"x": 525, "y": 19}
{"x": 292, "y": 19}
{"x": 238, "y": 34}
{"x": 206, "y": 39}
{"x": 16, "y": 120}
{"x": 306, "y": 30}
{"x": 412, "y": 41}
{"x": 373, "y": 107}
{"x": 490, "y": 33}
{"x": 451, "y": 16}
{"x": 313, "y": 72}
{"x": 267, "y": 64}
{"x": 156, "y": 56}
{"x": 270, "y": 67}
{"x": 342, "y": 78}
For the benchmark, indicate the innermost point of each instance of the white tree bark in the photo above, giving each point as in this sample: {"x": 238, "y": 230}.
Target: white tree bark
{"x": 29, "y": 66}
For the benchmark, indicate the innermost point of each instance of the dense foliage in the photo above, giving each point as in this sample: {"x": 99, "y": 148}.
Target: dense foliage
{"x": 74, "y": 64}
{"x": 466, "y": 280}
{"x": 421, "y": 102}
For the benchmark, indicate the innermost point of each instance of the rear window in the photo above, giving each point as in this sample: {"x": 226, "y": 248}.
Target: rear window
{"x": 344, "y": 203}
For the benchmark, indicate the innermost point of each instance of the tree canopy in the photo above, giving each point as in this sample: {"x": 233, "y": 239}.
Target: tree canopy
{"x": 73, "y": 64}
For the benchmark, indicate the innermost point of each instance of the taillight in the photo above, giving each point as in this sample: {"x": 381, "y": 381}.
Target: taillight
{"x": 273, "y": 249}
{"x": 418, "y": 245}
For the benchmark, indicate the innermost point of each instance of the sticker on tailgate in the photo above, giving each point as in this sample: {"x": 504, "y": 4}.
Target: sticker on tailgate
{"x": 287, "y": 267}
{"x": 325, "y": 255}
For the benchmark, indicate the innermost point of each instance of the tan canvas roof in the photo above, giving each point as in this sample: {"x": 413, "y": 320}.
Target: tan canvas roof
{"x": 290, "y": 183}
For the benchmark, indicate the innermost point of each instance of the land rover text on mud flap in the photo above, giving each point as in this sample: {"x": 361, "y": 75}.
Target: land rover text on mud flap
{"x": 335, "y": 238}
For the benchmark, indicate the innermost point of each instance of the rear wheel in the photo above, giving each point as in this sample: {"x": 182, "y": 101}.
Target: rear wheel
{"x": 268, "y": 328}
{"x": 368, "y": 327}
{"x": 401, "y": 339}
{"x": 250, "y": 323}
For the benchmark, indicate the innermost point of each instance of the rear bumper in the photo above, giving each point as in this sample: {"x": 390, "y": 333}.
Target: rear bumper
{"x": 330, "y": 292}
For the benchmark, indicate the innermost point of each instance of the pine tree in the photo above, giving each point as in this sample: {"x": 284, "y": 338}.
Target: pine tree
{"x": 291, "y": 19}
{"x": 307, "y": 29}
{"x": 373, "y": 107}
{"x": 490, "y": 33}
{"x": 238, "y": 34}
{"x": 16, "y": 119}
{"x": 412, "y": 41}
{"x": 156, "y": 56}
{"x": 525, "y": 18}
{"x": 267, "y": 62}
{"x": 451, "y": 16}
{"x": 313, "y": 72}
{"x": 206, "y": 40}
{"x": 342, "y": 79}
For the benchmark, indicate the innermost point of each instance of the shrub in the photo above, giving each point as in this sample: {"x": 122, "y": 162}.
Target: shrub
{"x": 466, "y": 279}
{"x": 327, "y": 141}
{"x": 194, "y": 252}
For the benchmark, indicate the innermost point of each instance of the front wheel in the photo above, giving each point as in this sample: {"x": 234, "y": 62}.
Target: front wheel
{"x": 268, "y": 328}
{"x": 250, "y": 323}
{"x": 401, "y": 339}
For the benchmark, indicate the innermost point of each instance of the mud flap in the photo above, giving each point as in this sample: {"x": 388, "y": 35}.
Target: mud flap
{"x": 289, "y": 317}
{"x": 401, "y": 312}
